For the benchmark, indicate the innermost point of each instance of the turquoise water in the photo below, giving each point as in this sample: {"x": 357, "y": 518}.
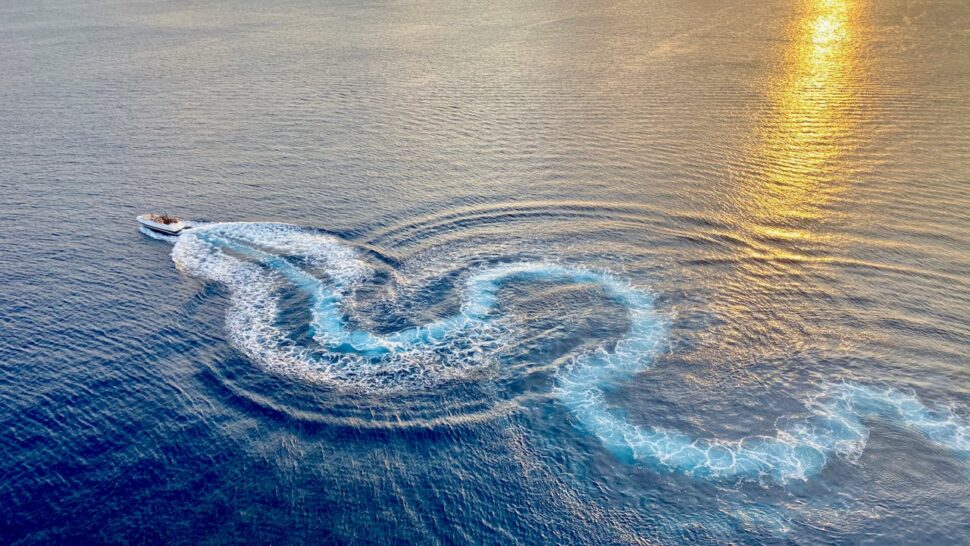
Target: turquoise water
{"x": 662, "y": 272}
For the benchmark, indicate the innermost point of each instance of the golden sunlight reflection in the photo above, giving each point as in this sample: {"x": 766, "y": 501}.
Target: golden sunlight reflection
{"x": 814, "y": 109}
{"x": 801, "y": 158}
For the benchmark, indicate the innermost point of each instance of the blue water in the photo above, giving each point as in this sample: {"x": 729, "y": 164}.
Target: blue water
{"x": 659, "y": 272}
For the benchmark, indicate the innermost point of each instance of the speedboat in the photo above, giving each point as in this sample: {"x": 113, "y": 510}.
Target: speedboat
{"x": 162, "y": 223}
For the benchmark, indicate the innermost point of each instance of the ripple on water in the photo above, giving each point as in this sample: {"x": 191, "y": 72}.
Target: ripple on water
{"x": 428, "y": 374}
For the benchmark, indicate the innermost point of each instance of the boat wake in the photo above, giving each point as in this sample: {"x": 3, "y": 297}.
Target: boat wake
{"x": 261, "y": 264}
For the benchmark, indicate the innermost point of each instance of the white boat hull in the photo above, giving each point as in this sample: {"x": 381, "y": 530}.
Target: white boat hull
{"x": 167, "y": 229}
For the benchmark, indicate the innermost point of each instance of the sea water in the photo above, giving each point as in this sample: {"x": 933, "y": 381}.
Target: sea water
{"x": 511, "y": 273}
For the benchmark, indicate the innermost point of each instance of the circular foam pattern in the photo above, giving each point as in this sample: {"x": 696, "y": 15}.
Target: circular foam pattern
{"x": 258, "y": 262}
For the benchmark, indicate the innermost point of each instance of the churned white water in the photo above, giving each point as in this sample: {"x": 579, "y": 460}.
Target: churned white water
{"x": 256, "y": 261}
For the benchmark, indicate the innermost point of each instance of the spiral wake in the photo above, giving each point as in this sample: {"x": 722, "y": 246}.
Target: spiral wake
{"x": 258, "y": 262}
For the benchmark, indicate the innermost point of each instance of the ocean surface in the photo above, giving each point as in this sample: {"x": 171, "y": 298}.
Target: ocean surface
{"x": 510, "y": 272}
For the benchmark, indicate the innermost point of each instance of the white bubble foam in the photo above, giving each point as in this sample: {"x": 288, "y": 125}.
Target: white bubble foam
{"x": 255, "y": 261}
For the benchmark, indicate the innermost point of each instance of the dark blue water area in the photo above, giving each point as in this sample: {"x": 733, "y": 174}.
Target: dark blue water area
{"x": 136, "y": 419}
{"x": 521, "y": 273}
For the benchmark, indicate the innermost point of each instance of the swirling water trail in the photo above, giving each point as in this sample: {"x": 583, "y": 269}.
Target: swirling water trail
{"x": 256, "y": 261}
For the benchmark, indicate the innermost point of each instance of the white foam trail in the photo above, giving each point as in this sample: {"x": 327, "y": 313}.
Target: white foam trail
{"x": 251, "y": 260}
{"x": 255, "y": 261}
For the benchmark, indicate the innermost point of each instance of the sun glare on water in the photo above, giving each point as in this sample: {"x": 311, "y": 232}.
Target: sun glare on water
{"x": 801, "y": 160}
{"x": 812, "y": 121}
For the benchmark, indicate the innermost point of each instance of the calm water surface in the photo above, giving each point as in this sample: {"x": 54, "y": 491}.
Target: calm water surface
{"x": 517, "y": 272}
